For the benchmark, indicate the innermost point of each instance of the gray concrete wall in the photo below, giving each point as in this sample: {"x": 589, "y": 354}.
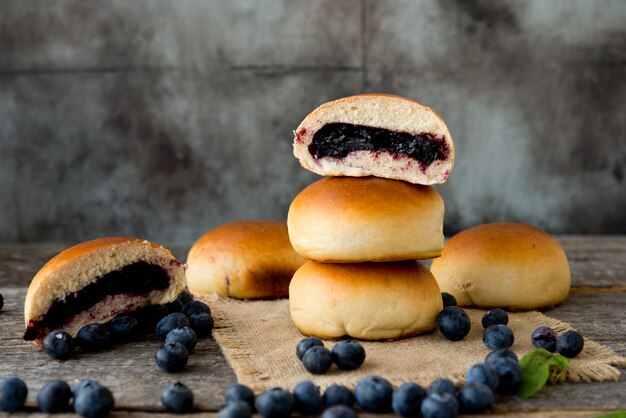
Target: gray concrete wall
{"x": 164, "y": 118}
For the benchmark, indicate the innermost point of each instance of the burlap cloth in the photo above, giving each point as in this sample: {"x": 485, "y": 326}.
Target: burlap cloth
{"x": 259, "y": 341}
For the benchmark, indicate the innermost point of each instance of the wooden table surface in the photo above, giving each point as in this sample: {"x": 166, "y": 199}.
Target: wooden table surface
{"x": 596, "y": 307}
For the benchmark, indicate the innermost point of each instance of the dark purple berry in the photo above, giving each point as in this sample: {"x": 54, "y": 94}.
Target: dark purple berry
{"x": 544, "y": 337}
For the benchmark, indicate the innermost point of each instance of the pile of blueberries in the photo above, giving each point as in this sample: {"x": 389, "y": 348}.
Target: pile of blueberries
{"x": 317, "y": 359}
{"x": 178, "y": 323}
{"x": 89, "y": 399}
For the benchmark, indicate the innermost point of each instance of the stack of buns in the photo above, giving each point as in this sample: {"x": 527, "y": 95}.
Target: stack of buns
{"x": 363, "y": 228}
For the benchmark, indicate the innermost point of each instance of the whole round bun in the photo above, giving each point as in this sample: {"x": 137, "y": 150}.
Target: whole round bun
{"x": 243, "y": 260}
{"x": 370, "y": 301}
{"x": 81, "y": 265}
{"x": 503, "y": 265}
{"x": 356, "y": 219}
{"x": 385, "y": 111}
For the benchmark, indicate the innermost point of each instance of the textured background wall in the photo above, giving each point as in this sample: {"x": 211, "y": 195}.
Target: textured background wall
{"x": 164, "y": 118}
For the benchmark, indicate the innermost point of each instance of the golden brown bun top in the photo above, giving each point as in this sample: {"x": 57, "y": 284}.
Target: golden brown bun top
{"x": 364, "y": 197}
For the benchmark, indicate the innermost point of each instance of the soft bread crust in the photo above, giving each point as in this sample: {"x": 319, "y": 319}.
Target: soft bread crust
{"x": 370, "y": 301}
{"x": 381, "y": 111}
{"x": 504, "y": 265}
{"x": 357, "y": 219}
{"x": 78, "y": 266}
{"x": 243, "y": 260}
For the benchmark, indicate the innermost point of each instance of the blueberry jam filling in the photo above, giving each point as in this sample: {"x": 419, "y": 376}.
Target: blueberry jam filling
{"x": 135, "y": 279}
{"x": 337, "y": 140}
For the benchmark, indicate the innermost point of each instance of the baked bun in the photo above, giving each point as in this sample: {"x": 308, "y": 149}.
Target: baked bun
{"x": 503, "y": 265}
{"x": 376, "y": 135}
{"x": 97, "y": 280}
{"x": 243, "y": 260}
{"x": 370, "y": 301}
{"x": 356, "y": 219}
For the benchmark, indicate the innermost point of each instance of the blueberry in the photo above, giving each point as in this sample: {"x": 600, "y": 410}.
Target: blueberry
{"x": 440, "y": 405}
{"x": 149, "y": 316}
{"x": 502, "y": 353}
{"x": 195, "y": 307}
{"x": 570, "y": 344}
{"x": 307, "y": 399}
{"x": 484, "y": 374}
{"x": 94, "y": 401}
{"x": 317, "y": 360}
{"x": 84, "y": 384}
{"x": 406, "y": 400}
{"x": 175, "y": 306}
{"x": 275, "y": 403}
{"x": 475, "y": 398}
{"x": 13, "y": 392}
{"x": 337, "y": 395}
{"x": 185, "y": 297}
{"x": 448, "y": 299}
{"x": 239, "y": 392}
{"x": 305, "y": 344}
{"x": 497, "y": 337}
{"x": 59, "y": 345}
{"x": 1, "y": 301}
{"x": 495, "y": 316}
{"x": 348, "y": 355}
{"x": 544, "y": 337}
{"x": 373, "y": 394}
{"x": 509, "y": 376}
{"x": 339, "y": 411}
{"x": 177, "y": 398}
{"x": 235, "y": 409}
{"x": 172, "y": 357}
{"x": 453, "y": 323}
{"x": 442, "y": 385}
{"x": 202, "y": 324}
{"x": 54, "y": 397}
{"x": 93, "y": 337}
{"x": 123, "y": 327}
{"x": 170, "y": 322}
{"x": 185, "y": 335}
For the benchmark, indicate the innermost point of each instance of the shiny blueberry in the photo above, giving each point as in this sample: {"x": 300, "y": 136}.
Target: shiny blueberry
{"x": 509, "y": 376}
{"x": 348, "y": 355}
{"x": 196, "y": 307}
{"x": 170, "y": 322}
{"x": 570, "y": 344}
{"x": 94, "y": 401}
{"x": 275, "y": 403}
{"x": 448, "y": 299}
{"x": 406, "y": 400}
{"x": 440, "y": 405}
{"x": 149, "y": 316}
{"x": 373, "y": 394}
{"x": 185, "y": 297}
{"x": 475, "y": 398}
{"x": 337, "y": 395}
{"x": 175, "y": 306}
{"x": 59, "y": 345}
{"x": 484, "y": 374}
{"x": 502, "y": 353}
{"x": 305, "y": 344}
{"x": 93, "y": 337}
{"x": 453, "y": 323}
{"x": 495, "y": 316}
{"x": 13, "y": 392}
{"x": 185, "y": 335}
{"x": 54, "y": 397}
{"x": 317, "y": 360}
{"x": 497, "y": 337}
{"x": 172, "y": 357}
{"x": 544, "y": 337}
{"x": 177, "y": 398}
{"x": 442, "y": 385}
{"x": 339, "y": 411}
{"x": 307, "y": 399}
{"x": 239, "y": 392}
{"x": 202, "y": 324}
{"x": 235, "y": 409}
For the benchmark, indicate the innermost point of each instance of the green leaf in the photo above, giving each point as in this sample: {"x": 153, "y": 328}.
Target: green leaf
{"x": 616, "y": 414}
{"x": 539, "y": 366}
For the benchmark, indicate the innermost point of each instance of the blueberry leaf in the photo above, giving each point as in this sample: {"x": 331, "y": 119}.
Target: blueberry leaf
{"x": 538, "y": 367}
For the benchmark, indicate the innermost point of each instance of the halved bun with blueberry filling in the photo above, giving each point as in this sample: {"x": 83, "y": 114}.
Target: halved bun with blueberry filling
{"x": 96, "y": 280}
{"x": 376, "y": 135}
